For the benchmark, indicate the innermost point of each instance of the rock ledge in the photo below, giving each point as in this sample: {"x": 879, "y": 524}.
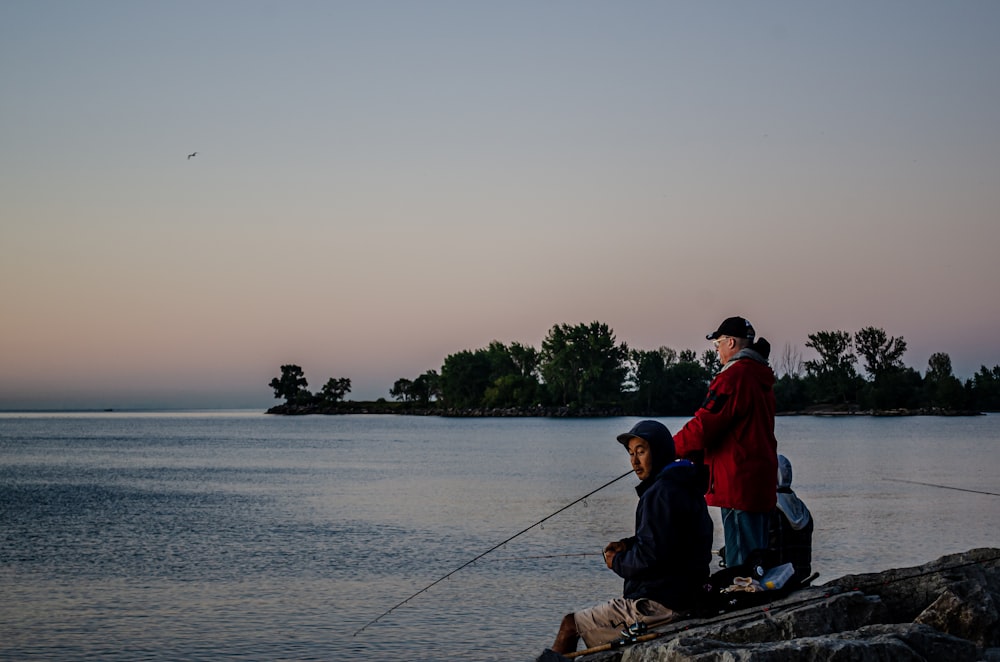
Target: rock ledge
{"x": 948, "y": 609}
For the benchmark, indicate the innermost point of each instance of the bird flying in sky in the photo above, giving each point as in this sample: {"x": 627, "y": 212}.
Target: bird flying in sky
{"x": 192, "y": 154}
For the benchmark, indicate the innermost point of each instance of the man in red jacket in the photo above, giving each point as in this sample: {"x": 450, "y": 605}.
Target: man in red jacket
{"x": 734, "y": 431}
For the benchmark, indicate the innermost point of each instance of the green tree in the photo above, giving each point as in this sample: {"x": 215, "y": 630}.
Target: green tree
{"x": 525, "y": 359}
{"x": 512, "y": 390}
{"x": 941, "y": 388}
{"x": 526, "y": 388}
{"x": 832, "y": 378}
{"x": 647, "y": 378}
{"x": 465, "y": 376}
{"x": 402, "y": 389}
{"x": 710, "y": 361}
{"x": 583, "y": 365}
{"x": 335, "y": 389}
{"x": 790, "y": 393}
{"x": 663, "y": 382}
{"x": 496, "y": 376}
{"x": 291, "y": 385}
{"x": 881, "y": 353}
{"x": 892, "y": 386}
{"x": 985, "y": 391}
{"x": 513, "y": 380}
{"x": 898, "y": 388}
{"x": 688, "y": 380}
{"x": 501, "y": 362}
{"x": 426, "y": 387}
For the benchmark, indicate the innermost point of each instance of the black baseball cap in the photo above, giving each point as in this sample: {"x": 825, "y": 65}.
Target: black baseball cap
{"x": 734, "y": 327}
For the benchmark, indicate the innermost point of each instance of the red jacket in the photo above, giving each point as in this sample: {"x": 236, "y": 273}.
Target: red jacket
{"x": 734, "y": 428}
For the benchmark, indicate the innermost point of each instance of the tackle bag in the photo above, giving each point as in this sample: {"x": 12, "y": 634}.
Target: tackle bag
{"x": 758, "y": 581}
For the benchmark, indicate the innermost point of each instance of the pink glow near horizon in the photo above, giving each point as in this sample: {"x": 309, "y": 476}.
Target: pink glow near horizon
{"x": 375, "y": 192}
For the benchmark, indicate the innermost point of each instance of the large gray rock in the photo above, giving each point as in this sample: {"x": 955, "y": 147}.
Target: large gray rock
{"x": 965, "y": 610}
{"x": 957, "y": 594}
{"x": 945, "y": 610}
{"x": 873, "y": 643}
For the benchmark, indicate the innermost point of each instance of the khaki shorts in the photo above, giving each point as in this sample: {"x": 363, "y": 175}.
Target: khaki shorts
{"x": 603, "y": 623}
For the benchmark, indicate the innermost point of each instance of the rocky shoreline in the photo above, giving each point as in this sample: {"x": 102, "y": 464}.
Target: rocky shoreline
{"x": 948, "y": 609}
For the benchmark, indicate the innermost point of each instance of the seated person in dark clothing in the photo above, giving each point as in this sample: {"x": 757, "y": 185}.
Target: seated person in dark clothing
{"x": 791, "y": 526}
{"x": 666, "y": 562}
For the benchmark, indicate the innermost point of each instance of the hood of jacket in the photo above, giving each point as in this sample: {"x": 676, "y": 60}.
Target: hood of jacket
{"x": 746, "y": 353}
{"x": 788, "y": 502}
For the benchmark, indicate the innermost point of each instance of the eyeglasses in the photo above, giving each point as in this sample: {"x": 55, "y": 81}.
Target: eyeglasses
{"x": 718, "y": 341}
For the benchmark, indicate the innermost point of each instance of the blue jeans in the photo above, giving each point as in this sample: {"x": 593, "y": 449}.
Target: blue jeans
{"x": 744, "y": 532}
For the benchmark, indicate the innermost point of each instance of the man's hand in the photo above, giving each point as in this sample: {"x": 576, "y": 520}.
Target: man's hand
{"x": 610, "y": 550}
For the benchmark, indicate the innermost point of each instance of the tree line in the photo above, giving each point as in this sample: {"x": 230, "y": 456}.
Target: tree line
{"x": 582, "y": 368}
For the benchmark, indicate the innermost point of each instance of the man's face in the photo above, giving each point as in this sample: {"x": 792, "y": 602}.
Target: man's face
{"x": 641, "y": 457}
{"x": 726, "y": 346}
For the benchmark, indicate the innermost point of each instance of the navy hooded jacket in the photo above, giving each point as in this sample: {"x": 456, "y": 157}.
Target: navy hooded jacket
{"x": 667, "y": 560}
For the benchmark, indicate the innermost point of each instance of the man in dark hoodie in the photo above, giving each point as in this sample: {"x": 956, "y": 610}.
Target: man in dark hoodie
{"x": 733, "y": 433}
{"x": 666, "y": 562}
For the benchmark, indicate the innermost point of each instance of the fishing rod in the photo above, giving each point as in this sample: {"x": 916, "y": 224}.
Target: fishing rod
{"x": 494, "y": 547}
{"x": 943, "y": 487}
{"x": 715, "y": 552}
{"x": 547, "y": 556}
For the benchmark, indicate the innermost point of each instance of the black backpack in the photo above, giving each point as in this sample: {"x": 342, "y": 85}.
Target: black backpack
{"x": 714, "y": 599}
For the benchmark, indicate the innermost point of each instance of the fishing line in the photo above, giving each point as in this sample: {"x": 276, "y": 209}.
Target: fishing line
{"x": 494, "y": 547}
{"x": 943, "y": 487}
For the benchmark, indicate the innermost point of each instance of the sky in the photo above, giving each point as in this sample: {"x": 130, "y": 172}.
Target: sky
{"x": 379, "y": 184}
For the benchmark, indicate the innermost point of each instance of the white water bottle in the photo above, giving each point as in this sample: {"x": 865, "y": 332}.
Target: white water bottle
{"x": 776, "y": 577}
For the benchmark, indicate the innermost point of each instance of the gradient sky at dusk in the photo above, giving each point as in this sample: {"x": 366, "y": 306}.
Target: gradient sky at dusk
{"x": 381, "y": 184}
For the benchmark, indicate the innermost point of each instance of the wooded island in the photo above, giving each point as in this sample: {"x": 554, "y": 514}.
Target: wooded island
{"x": 582, "y": 370}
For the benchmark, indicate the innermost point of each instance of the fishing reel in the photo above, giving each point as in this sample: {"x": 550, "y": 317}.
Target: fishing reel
{"x": 633, "y": 632}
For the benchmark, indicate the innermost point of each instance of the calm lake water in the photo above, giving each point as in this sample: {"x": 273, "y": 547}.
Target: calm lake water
{"x": 208, "y": 535}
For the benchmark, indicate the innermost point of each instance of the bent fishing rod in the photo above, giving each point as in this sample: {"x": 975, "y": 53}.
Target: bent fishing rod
{"x": 494, "y": 547}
